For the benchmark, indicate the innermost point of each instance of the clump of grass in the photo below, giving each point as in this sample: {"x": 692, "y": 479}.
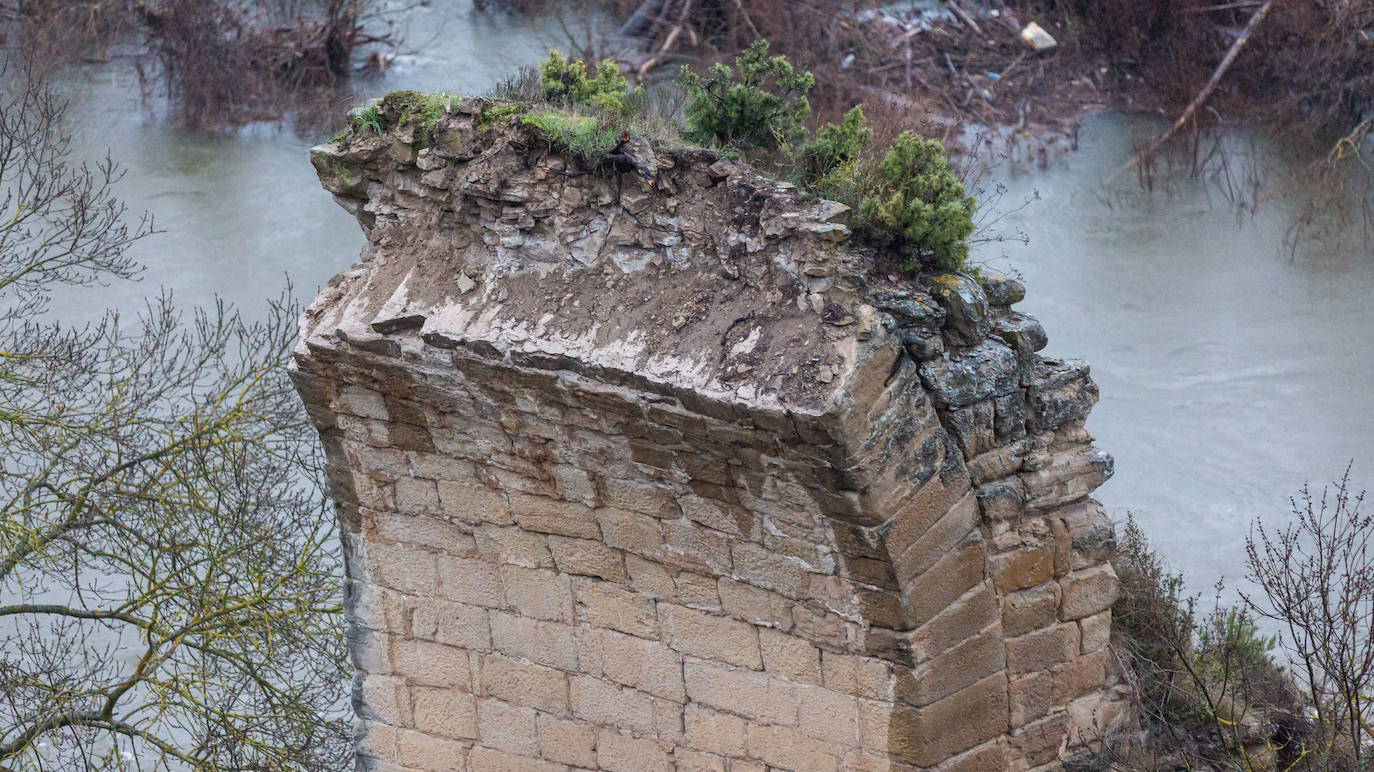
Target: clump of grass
{"x": 586, "y": 135}
{"x": 365, "y": 119}
{"x": 418, "y": 109}
{"x": 496, "y": 112}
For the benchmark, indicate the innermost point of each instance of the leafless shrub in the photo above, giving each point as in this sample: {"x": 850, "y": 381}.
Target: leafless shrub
{"x": 232, "y": 61}
{"x": 1317, "y": 579}
{"x": 169, "y": 585}
{"x": 1207, "y": 685}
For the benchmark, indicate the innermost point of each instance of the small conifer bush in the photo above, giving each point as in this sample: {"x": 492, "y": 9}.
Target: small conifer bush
{"x": 759, "y": 103}
{"x": 567, "y": 80}
{"x": 836, "y": 146}
{"x": 908, "y": 200}
{"x": 918, "y": 204}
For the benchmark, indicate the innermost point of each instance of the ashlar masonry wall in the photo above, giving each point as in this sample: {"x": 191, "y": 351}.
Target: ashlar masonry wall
{"x": 644, "y": 476}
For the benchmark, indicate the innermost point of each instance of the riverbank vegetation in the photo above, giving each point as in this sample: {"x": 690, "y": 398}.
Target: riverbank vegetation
{"x": 1215, "y": 691}
{"x": 221, "y": 63}
{"x": 170, "y": 586}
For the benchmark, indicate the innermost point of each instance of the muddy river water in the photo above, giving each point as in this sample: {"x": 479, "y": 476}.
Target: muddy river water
{"x": 1231, "y": 369}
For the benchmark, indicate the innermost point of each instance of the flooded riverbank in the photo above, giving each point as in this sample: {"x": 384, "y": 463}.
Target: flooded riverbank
{"x": 1231, "y": 370}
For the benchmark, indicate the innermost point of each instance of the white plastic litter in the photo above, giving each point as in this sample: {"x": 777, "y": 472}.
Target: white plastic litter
{"x": 1037, "y": 38}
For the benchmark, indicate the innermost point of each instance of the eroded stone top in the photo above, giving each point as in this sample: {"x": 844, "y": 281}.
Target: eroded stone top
{"x": 708, "y": 277}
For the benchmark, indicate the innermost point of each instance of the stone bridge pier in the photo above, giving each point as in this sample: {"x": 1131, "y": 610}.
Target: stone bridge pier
{"x": 671, "y": 477}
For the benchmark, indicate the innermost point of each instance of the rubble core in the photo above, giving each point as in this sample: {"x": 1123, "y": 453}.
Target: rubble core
{"x": 660, "y": 473}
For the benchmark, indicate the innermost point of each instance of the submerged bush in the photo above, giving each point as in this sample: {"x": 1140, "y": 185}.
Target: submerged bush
{"x": 567, "y": 80}
{"x": 765, "y": 106}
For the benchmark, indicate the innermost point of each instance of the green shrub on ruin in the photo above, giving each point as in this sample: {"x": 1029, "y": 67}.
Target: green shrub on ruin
{"x": 759, "y": 103}
{"x": 836, "y": 147}
{"x": 568, "y": 81}
{"x": 919, "y": 205}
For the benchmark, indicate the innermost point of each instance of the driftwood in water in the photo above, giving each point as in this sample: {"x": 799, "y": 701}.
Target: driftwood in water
{"x": 1148, "y": 152}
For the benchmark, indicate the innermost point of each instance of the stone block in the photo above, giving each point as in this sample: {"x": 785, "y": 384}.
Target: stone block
{"x": 1022, "y": 568}
{"x": 1039, "y": 743}
{"x": 384, "y": 698}
{"x": 418, "y": 751}
{"x": 513, "y": 546}
{"x": 567, "y": 742}
{"x": 940, "y": 539}
{"x": 755, "y": 605}
{"x": 630, "y": 531}
{"x": 523, "y": 683}
{"x": 602, "y": 604}
{"x": 986, "y": 370}
{"x": 960, "y": 721}
{"x": 452, "y": 624}
{"x": 470, "y": 581}
{"x": 400, "y": 568}
{"x": 431, "y": 664}
{"x": 444, "y": 713}
{"x": 415, "y": 496}
{"x": 828, "y": 715}
{"x": 361, "y": 402}
{"x": 955, "y": 574}
{"x": 962, "y": 619}
{"x": 695, "y": 548}
{"x": 861, "y": 676}
{"x": 762, "y": 567}
{"x": 786, "y": 748}
{"x": 697, "y": 591}
{"x": 1079, "y": 676}
{"x": 790, "y": 657}
{"x": 710, "y": 636}
{"x": 545, "y": 643}
{"x": 953, "y": 669}
{"x": 548, "y": 515}
{"x": 991, "y": 755}
{"x": 1002, "y": 499}
{"x": 426, "y": 531}
{"x": 1095, "y": 632}
{"x": 491, "y": 760}
{"x": 608, "y": 704}
{"x": 1042, "y": 649}
{"x": 1071, "y": 475}
{"x": 1030, "y": 697}
{"x": 538, "y": 593}
{"x": 743, "y": 692}
{"x": 685, "y": 760}
{"x": 1088, "y": 592}
{"x": 649, "y": 666}
{"x": 585, "y": 557}
{"x": 469, "y": 501}
{"x": 617, "y": 752}
{"x": 1030, "y": 609}
{"x": 508, "y": 728}
{"x": 711, "y": 730}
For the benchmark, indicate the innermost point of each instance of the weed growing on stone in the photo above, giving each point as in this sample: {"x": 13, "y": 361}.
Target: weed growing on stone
{"x": 586, "y": 135}
{"x": 363, "y": 119}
